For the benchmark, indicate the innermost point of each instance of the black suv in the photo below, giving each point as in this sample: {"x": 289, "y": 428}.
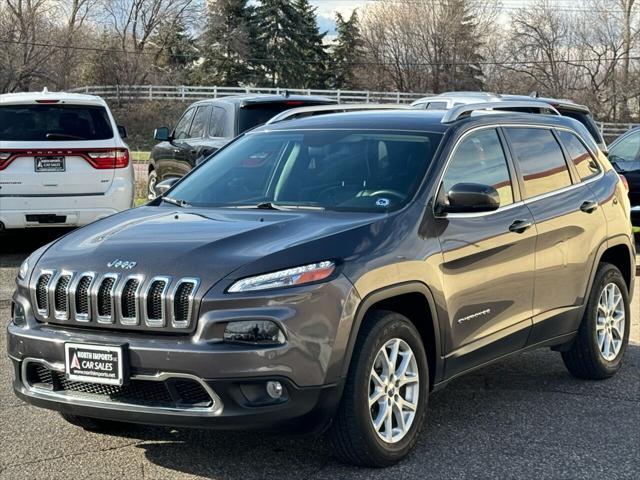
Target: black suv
{"x": 208, "y": 125}
{"x": 327, "y": 273}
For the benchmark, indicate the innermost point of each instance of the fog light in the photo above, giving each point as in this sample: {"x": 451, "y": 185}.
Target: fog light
{"x": 258, "y": 332}
{"x": 274, "y": 389}
{"x": 18, "y": 317}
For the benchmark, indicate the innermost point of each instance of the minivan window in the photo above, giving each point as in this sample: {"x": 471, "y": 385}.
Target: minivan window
{"x": 627, "y": 149}
{"x": 218, "y": 122}
{"x": 336, "y": 169}
{"x": 182, "y": 128}
{"x": 480, "y": 158}
{"x": 586, "y": 166}
{"x": 53, "y": 122}
{"x": 540, "y": 158}
{"x": 200, "y": 122}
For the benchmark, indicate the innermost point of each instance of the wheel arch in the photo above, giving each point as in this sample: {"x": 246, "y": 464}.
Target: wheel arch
{"x": 616, "y": 251}
{"x": 410, "y": 299}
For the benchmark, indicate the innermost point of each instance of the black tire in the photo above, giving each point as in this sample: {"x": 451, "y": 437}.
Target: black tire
{"x": 92, "y": 424}
{"x": 151, "y": 183}
{"x": 584, "y": 359}
{"x": 352, "y": 434}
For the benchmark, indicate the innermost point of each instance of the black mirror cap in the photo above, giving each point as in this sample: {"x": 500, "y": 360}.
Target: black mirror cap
{"x": 471, "y": 198}
{"x": 163, "y": 187}
{"x": 122, "y": 131}
{"x": 162, "y": 134}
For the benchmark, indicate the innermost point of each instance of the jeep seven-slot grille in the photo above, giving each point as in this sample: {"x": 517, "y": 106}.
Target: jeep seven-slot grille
{"x": 158, "y": 303}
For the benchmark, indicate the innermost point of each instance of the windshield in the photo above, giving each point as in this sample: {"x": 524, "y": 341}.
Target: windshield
{"x": 35, "y": 123}
{"x": 333, "y": 169}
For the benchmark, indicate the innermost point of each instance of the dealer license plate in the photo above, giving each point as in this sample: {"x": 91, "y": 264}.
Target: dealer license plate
{"x": 94, "y": 363}
{"x": 49, "y": 164}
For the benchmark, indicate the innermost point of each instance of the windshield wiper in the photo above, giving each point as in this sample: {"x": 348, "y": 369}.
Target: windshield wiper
{"x": 62, "y": 136}
{"x": 175, "y": 201}
{"x": 275, "y": 206}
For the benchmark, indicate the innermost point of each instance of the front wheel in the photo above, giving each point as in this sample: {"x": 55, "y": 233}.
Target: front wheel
{"x": 603, "y": 335}
{"x": 385, "y": 397}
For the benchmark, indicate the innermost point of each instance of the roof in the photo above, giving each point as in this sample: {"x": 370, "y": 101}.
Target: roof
{"x": 62, "y": 97}
{"x": 256, "y": 99}
{"x": 410, "y": 120}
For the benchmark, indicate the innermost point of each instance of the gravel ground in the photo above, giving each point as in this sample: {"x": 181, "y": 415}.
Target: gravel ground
{"x": 524, "y": 417}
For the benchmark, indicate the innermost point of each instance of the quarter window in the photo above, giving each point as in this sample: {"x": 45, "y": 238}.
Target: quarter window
{"x": 480, "y": 158}
{"x": 437, "y": 106}
{"x": 218, "y": 122}
{"x": 626, "y": 150}
{"x": 199, "y": 124}
{"x": 182, "y": 128}
{"x": 541, "y": 160}
{"x": 585, "y": 164}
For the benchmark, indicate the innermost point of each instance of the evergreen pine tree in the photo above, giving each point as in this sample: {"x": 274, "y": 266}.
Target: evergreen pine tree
{"x": 312, "y": 71}
{"x": 179, "y": 52}
{"x": 347, "y": 52}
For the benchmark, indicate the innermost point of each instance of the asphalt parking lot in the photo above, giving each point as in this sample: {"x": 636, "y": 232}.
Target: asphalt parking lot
{"x": 524, "y": 417}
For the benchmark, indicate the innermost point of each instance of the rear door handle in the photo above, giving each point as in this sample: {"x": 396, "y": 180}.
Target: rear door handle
{"x": 520, "y": 226}
{"x": 589, "y": 206}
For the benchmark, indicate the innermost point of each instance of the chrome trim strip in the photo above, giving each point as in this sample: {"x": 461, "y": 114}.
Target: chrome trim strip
{"x": 43, "y": 312}
{"x": 214, "y": 410}
{"x": 58, "y": 314}
{"x": 82, "y": 317}
{"x": 94, "y": 297}
{"x": 502, "y": 107}
{"x": 172, "y": 297}
{"x": 118, "y": 300}
{"x": 161, "y": 322}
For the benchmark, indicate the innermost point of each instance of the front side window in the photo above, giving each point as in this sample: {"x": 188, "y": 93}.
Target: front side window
{"x": 540, "y": 158}
{"x": 585, "y": 164}
{"x": 479, "y": 158}
{"x": 54, "y": 122}
{"x": 200, "y": 121}
{"x": 627, "y": 149}
{"x": 335, "y": 169}
{"x": 182, "y": 128}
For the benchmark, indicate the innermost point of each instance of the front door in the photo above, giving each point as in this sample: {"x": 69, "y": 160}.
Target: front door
{"x": 488, "y": 258}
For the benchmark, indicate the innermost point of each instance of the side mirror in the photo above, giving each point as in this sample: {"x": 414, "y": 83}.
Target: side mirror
{"x": 162, "y": 134}
{"x": 470, "y": 198}
{"x": 163, "y": 187}
{"x": 122, "y": 131}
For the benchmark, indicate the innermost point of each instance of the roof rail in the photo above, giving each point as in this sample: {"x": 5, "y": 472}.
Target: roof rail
{"x": 505, "y": 106}
{"x": 333, "y": 108}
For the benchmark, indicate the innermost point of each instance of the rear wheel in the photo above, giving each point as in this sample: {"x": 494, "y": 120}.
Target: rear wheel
{"x": 385, "y": 396}
{"x": 604, "y": 332}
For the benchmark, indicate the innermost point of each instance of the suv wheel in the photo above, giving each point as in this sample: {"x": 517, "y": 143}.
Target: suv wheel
{"x": 604, "y": 332}
{"x": 151, "y": 184}
{"x": 385, "y": 396}
{"x": 92, "y": 424}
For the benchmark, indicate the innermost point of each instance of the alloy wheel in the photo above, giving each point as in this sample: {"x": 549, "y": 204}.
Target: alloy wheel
{"x": 610, "y": 321}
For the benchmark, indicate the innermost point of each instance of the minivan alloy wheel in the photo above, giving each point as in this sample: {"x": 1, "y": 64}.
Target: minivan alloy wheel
{"x": 610, "y": 321}
{"x": 393, "y": 390}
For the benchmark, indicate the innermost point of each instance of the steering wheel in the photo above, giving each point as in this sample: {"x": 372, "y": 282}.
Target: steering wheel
{"x": 391, "y": 193}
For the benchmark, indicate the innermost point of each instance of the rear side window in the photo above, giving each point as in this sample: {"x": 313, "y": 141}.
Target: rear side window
{"x": 437, "y": 106}
{"x": 479, "y": 158}
{"x": 36, "y": 123}
{"x": 586, "y": 166}
{"x": 255, "y": 114}
{"x": 541, "y": 160}
{"x": 182, "y": 128}
{"x": 200, "y": 121}
{"x": 218, "y": 122}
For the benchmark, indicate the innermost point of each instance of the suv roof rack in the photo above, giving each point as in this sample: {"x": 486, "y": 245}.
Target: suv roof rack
{"x": 333, "y": 108}
{"x": 505, "y": 106}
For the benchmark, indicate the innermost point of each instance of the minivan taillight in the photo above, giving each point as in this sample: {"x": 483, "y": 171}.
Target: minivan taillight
{"x": 116, "y": 158}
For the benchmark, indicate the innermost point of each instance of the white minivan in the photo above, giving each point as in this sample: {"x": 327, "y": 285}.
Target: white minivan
{"x": 63, "y": 161}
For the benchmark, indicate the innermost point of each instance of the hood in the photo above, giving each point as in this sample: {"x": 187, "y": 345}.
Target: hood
{"x": 189, "y": 242}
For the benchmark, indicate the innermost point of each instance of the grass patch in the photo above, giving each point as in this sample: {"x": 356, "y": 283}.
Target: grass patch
{"x": 636, "y": 229}
{"x": 140, "y": 156}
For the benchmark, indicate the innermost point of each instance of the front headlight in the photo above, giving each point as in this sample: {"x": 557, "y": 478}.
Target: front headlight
{"x": 24, "y": 269}
{"x": 290, "y": 277}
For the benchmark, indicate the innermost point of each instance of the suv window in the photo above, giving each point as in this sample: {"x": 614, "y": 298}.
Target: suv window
{"x": 585, "y": 164}
{"x": 480, "y": 158}
{"x": 200, "y": 120}
{"x": 37, "y": 123}
{"x": 626, "y": 150}
{"x": 437, "y": 106}
{"x": 218, "y": 122}
{"x": 182, "y": 128}
{"x": 541, "y": 160}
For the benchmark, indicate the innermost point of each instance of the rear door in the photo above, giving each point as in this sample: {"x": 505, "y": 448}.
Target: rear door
{"x": 56, "y": 149}
{"x": 569, "y": 221}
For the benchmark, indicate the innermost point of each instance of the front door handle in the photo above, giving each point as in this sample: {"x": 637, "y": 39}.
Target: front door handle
{"x": 589, "y": 206}
{"x": 520, "y": 226}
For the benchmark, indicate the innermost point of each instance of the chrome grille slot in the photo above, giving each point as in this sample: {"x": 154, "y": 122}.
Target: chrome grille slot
{"x": 80, "y": 296}
{"x": 61, "y": 296}
{"x": 42, "y": 293}
{"x": 128, "y": 298}
{"x": 103, "y": 296}
{"x": 154, "y": 302}
{"x": 182, "y": 302}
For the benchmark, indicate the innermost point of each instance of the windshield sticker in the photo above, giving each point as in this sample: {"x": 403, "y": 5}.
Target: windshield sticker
{"x": 383, "y": 202}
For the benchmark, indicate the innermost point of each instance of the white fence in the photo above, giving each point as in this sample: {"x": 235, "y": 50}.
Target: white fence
{"x": 188, "y": 93}
{"x": 613, "y": 130}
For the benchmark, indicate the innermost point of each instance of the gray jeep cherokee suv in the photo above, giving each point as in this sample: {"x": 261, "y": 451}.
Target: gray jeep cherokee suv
{"x": 328, "y": 273}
